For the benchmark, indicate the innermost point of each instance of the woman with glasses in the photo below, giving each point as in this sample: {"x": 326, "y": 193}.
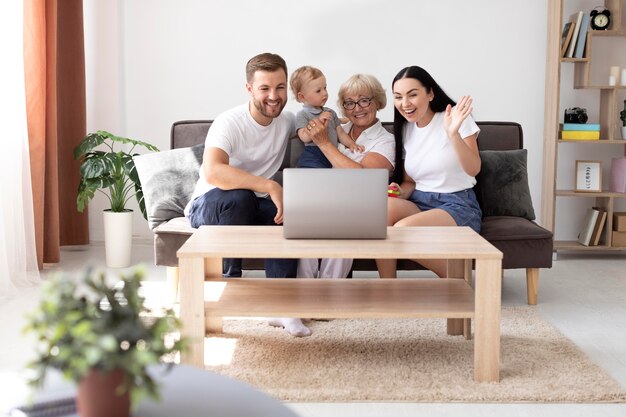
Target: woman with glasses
{"x": 360, "y": 98}
{"x": 436, "y": 177}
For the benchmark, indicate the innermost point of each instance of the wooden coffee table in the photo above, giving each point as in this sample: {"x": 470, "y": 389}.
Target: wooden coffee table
{"x": 205, "y": 297}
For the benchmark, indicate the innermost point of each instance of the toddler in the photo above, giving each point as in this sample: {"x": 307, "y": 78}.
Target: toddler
{"x": 309, "y": 88}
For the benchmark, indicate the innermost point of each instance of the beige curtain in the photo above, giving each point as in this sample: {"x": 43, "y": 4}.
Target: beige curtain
{"x": 18, "y": 260}
{"x": 54, "y": 70}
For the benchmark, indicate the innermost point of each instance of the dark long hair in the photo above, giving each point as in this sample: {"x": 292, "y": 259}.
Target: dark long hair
{"x": 438, "y": 104}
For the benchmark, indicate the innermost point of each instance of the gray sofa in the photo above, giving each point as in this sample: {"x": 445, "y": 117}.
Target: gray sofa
{"x": 168, "y": 179}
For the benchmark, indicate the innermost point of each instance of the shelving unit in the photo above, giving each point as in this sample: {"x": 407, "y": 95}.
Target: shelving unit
{"x": 609, "y": 108}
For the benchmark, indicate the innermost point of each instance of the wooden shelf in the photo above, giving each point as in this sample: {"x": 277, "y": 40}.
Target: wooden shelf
{"x": 609, "y": 105}
{"x": 340, "y": 298}
{"x": 600, "y": 87}
{"x": 607, "y": 32}
{"x": 601, "y": 141}
{"x": 572, "y": 193}
{"x": 575, "y": 246}
{"x": 574, "y": 60}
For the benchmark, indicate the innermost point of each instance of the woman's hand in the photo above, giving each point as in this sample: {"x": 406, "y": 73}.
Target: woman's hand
{"x": 318, "y": 132}
{"x": 453, "y": 117}
{"x": 394, "y": 186}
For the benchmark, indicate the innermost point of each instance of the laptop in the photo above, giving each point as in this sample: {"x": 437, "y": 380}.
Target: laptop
{"x": 334, "y": 203}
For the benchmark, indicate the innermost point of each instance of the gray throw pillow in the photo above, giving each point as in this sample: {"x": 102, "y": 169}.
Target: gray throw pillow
{"x": 502, "y": 184}
{"x": 168, "y": 180}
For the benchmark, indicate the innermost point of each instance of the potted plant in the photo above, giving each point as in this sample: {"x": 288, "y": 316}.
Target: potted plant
{"x": 111, "y": 172}
{"x": 622, "y": 115}
{"x": 102, "y": 337}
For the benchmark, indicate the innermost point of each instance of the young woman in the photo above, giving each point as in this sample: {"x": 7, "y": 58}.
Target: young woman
{"x": 438, "y": 139}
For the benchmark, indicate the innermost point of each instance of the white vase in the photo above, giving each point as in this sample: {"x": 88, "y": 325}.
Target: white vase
{"x": 118, "y": 238}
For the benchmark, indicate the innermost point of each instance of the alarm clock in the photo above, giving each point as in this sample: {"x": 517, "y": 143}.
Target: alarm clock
{"x": 600, "y": 18}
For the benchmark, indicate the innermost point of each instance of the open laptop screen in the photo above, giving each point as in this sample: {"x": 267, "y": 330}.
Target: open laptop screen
{"x": 334, "y": 203}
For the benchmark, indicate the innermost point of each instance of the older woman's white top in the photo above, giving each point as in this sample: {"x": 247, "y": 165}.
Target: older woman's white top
{"x": 374, "y": 139}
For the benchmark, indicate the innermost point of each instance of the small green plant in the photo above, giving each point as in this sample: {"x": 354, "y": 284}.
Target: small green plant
{"x": 88, "y": 324}
{"x": 111, "y": 169}
{"x": 622, "y": 115}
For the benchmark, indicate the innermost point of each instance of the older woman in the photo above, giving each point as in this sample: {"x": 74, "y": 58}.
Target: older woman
{"x": 360, "y": 98}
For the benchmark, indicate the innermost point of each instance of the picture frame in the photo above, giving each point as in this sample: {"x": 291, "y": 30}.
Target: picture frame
{"x": 588, "y": 176}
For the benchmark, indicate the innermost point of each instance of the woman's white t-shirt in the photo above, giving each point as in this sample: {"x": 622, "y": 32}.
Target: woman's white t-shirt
{"x": 374, "y": 139}
{"x": 430, "y": 159}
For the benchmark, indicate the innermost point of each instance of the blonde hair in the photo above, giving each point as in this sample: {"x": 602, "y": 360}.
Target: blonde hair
{"x": 362, "y": 84}
{"x": 301, "y": 76}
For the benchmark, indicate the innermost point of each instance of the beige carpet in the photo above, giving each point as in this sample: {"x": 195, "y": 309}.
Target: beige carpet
{"x": 410, "y": 360}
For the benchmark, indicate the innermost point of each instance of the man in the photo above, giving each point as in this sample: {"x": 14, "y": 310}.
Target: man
{"x": 243, "y": 150}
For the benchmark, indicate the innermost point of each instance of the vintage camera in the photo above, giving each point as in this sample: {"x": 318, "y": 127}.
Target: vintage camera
{"x": 576, "y": 115}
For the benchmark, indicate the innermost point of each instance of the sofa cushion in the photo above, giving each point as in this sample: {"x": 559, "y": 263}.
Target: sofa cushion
{"x": 524, "y": 243}
{"x": 502, "y": 184}
{"x": 496, "y": 228}
{"x": 168, "y": 180}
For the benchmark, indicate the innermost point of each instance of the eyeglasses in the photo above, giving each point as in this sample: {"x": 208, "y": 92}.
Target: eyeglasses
{"x": 363, "y": 103}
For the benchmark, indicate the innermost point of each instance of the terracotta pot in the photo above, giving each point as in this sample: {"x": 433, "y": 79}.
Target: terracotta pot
{"x": 97, "y": 396}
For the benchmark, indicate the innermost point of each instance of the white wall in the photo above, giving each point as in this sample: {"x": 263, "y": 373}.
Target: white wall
{"x": 152, "y": 62}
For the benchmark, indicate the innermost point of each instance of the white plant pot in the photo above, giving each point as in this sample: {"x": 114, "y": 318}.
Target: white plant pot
{"x": 623, "y": 132}
{"x": 118, "y": 238}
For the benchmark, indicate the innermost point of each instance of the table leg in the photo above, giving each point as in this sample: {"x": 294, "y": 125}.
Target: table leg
{"x": 456, "y": 269}
{"x": 192, "y": 309}
{"x": 487, "y": 320}
{"x": 213, "y": 271}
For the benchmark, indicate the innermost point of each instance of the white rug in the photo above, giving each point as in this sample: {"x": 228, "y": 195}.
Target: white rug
{"x": 410, "y": 360}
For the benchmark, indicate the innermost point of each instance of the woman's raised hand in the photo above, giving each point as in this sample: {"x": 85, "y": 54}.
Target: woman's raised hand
{"x": 453, "y": 117}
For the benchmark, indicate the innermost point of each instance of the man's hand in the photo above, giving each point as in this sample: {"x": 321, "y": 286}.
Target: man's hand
{"x": 275, "y": 192}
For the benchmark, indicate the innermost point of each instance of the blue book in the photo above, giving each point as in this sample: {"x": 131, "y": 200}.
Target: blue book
{"x": 582, "y": 37}
{"x": 581, "y": 126}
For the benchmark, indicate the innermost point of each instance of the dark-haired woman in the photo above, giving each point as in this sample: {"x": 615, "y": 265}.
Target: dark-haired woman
{"x": 441, "y": 160}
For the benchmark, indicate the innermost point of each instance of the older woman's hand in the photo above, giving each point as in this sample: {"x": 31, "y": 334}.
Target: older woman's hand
{"x": 318, "y": 131}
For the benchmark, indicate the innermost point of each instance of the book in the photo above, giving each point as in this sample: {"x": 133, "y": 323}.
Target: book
{"x": 584, "y": 237}
{"x": 582, "y": 37}
{"x": 581, "y": 126}
{"x": 566, "y": 36}
{"x": 597, "y": 229}
{"x": 576, "y": 21}
{"x": 580, "y": 134}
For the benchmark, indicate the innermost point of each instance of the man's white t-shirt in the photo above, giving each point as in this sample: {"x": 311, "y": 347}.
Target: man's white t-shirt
{"x": 430, "y": 159}
{"x": 251, "y": 147}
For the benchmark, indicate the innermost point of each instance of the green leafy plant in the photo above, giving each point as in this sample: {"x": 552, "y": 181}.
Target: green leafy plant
{"x": 89, "y": 324}
{"x": 110, "y": 169}
{"x": 622, "y": 115}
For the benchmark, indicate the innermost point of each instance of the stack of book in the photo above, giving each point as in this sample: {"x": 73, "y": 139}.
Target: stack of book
{"x": 591, "y": 231}
{"x": 580, "y": 131}
{"x": 574, "y": 36}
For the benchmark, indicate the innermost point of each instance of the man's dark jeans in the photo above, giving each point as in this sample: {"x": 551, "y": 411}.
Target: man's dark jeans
{"x": 239, "y": 207}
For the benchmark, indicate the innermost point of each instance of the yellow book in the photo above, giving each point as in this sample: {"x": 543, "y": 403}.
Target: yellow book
{"x": 580, "y": 134}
